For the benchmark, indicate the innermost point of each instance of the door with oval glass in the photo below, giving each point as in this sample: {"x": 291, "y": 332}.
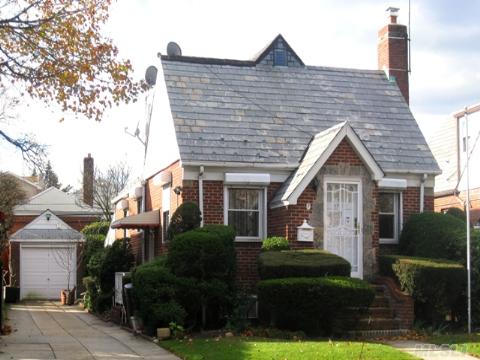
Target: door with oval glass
{"x": 343, "y": 221}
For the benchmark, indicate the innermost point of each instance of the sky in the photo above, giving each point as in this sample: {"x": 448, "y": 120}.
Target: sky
{"x": 342, "y": 33}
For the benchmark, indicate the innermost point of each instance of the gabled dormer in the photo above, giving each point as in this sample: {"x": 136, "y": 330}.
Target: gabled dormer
{"x": 279, "y": 53}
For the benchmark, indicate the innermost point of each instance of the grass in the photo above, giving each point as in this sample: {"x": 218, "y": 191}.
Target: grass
{"x": 461, "y": 342}
{"x": 271, "y": 349}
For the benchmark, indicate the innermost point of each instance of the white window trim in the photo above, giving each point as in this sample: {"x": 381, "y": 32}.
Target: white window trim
{"x": 262, "y": 231}
{"x": 397, "y": 216}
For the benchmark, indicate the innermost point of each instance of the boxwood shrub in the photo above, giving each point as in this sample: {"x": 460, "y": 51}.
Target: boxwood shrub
{"x": 275, "y": 243}
{"x": 311, "y": 304}
{"x": 433, "y": 235}
{"x": 436, "y": 285}
{"x": 301, "y": 263}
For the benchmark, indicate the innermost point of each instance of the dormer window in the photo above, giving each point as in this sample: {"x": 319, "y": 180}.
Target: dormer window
{"x": 280, "y": 57}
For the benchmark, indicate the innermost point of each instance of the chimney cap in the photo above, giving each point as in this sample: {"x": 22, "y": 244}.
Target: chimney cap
{"x": 393, "y": 11}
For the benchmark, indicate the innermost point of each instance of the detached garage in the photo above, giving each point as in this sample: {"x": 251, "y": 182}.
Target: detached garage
{"x": 48, "y": 257}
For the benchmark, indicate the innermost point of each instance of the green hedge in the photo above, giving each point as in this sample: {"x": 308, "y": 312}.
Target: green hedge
{"x": 156, "y": 291}
{"x": 311, "y": 304}
{"x": 275, "y": 243}
{"x": 187, "y": 217}
{"x": 433, "y": 235}
{"x": 96, "y": 228}
{"x": 436, "y": 285}
{"x": 205, "y": 253}
{"x": 301, "y": 263}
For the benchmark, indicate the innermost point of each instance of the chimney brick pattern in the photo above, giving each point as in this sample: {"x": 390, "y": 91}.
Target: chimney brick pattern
{"x": 393, "y": 53}
{"x": 88, "y": 180}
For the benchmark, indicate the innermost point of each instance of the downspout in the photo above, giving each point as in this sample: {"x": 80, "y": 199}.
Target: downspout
{"x": 422, "y": 192}
{"x": 200, "y": 192}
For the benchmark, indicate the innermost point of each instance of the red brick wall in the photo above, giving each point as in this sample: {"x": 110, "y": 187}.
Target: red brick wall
{"x": 344, "y": 154}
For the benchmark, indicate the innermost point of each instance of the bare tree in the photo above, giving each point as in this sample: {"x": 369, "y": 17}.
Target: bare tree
{"x": 108, "y": 184}
{"x": 32, "y": 152}
{"x": 69, "y": 260}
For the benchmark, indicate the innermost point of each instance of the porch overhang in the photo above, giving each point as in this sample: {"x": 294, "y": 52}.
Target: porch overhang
{"x": 149, "y": 219}
{"x": 316, "y": 155}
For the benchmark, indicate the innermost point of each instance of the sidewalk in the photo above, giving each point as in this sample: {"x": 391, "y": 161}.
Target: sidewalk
{"x": 429, "y": 351}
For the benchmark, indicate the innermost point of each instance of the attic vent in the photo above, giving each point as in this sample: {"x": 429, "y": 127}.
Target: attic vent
{"x": 280, "y": 57}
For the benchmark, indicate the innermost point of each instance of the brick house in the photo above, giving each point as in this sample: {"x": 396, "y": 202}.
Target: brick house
{"x": 448, "y": 145}
{"x": 267, "y": 143}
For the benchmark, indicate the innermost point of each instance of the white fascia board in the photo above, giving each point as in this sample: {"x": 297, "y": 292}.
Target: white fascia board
{"x": 390, "y": 183}
{"x": 48, "y": 241}
{"x": 247, "y": 179}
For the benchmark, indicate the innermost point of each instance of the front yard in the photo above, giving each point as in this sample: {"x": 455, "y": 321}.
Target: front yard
{"x": 261, "y": 349}
{"x": 465, "y": 343}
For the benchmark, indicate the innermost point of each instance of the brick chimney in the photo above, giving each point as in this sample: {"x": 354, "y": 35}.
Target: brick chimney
{"x": 393, "y": 52}
{"x": 88, "y": 180}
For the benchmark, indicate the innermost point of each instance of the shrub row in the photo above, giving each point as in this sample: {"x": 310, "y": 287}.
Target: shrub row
{"x": 434, "y": 284}
{"x": 311, "y": 304}
{"x": 301, "y": 263}
{"x": 275, "y": 243}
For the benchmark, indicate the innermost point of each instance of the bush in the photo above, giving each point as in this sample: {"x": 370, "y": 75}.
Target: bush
{"x": 458, "y": 213}
{"x": 275, "y": 243}
{"x": 433, "y": 235}
{"x": 301, "y": 263}
{"x": 311, "y": 304}
{"x": 204, "y": 254}
{"x": 93, "y": 244}
{"x": 435, "y": 285}
{"x": 96, "y": 228}
{"x": 186, "y": 217}
{"x": 155, "y": 286}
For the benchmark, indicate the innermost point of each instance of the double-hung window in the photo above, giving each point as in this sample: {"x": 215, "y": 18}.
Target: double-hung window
{"x": 245, "y": 212}
{"x": 389, "y": 217}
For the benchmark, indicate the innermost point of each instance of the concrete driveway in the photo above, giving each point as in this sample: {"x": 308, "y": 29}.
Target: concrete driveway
{"x": 46, "y": 330}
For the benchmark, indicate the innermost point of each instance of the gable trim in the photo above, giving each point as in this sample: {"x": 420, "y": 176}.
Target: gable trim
{"x": 347, "y": 132}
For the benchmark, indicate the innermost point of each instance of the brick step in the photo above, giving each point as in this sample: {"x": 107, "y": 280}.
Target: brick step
{"x": 377, "y": 324}
{"x": 378, "y": 288}
{"x": 381, "y": 312}
{"x": 380, "y": 301}
{"x": 369, "y": 334}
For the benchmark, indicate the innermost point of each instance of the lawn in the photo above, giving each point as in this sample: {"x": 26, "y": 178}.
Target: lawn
{"x": 271, "y": 349}
{"x": 461, "y": 342}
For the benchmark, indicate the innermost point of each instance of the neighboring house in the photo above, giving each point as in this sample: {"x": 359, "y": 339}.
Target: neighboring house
{"x": 29, "y": 184}
{"x": 448, "y": 145}
{"x": 263, "y": 145}
{"x": 34, "y": 237}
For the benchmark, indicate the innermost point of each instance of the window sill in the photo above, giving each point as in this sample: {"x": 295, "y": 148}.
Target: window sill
{"x": 388, "y": 241}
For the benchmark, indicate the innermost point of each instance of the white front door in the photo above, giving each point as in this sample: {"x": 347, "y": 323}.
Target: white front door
{"x": 343, "y": 222}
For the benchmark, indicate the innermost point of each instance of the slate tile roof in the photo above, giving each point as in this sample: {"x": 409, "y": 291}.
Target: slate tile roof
{"x": 47, "y": 234}
{"x": 243, "y": 112}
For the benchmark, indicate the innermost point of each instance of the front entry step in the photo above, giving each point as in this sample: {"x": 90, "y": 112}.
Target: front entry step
{"x": 380, "y": 320}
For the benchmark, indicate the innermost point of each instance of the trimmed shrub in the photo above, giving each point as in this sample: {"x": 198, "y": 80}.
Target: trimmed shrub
{"x": 155, "y": 291}
{"x": 96, "y": 228}
{"x": 204, "y": 254}
{"x": 301, "y": 263}
{"x": 311, "y": 304}
{"x": 433, "y": 235}
{"x": 436, "y": 285}
{"x": 275, "y": 243}
{"x": 458, "y": 213}
{"x": 186, "y": 217}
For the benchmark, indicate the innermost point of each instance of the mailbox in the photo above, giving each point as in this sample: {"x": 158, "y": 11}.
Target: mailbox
{"x": 305, "y": 232}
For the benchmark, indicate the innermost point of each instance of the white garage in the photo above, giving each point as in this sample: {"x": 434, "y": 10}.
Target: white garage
{"x": 48, "y": 257}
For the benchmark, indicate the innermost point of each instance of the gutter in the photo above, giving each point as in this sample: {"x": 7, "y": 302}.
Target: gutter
{"x": 422, "y": 192}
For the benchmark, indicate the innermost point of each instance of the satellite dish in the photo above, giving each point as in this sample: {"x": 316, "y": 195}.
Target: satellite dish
{"x": 151, "y": 75}
{"x": 173, "y": 49}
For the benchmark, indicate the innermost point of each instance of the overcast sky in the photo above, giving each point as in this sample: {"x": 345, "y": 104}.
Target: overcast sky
{"x": 341, "y": 33}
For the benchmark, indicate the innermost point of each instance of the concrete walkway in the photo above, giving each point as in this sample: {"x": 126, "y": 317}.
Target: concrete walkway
{"x": 45, "y": 330}
{"x": 429, "y": 351}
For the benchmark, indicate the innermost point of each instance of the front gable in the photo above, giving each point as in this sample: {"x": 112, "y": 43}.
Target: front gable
{"x": 337, "y": 144}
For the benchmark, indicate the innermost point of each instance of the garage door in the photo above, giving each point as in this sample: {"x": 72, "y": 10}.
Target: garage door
{"x": 43, "y": 271}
